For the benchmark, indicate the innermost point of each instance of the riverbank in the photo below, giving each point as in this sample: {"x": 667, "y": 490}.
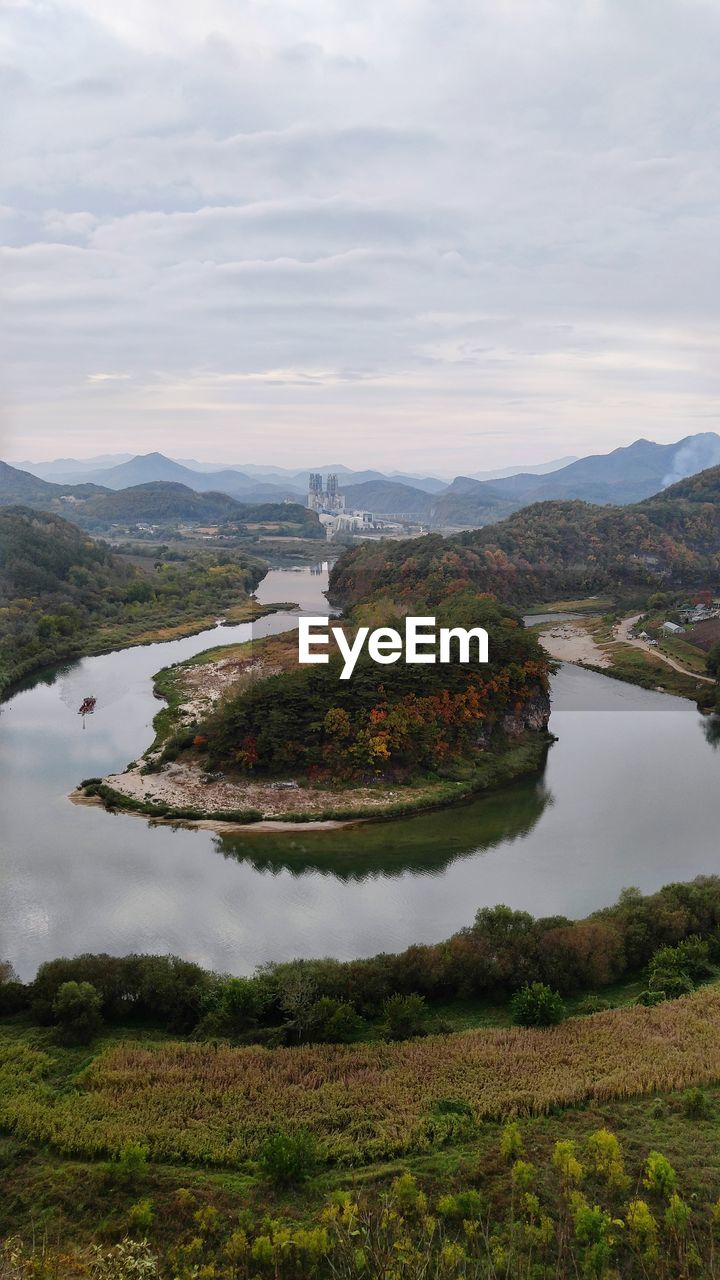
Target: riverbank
{"x": 182, "y": 792}
{"x": 572, "y": 642}
{"x": 125, "y": 636}
{"x": 608, "y": 647}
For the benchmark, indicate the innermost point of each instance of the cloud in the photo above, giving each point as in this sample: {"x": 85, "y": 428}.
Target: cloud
{"x": 394, "y": 230}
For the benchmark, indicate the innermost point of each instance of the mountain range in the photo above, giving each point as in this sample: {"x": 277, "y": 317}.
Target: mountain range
{"x": 158, "y": 502}
{"x": 556, "y": 549}
{"x": 624, "y": 475}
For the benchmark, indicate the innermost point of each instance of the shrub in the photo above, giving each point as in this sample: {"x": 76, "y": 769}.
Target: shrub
{"x": 671, "y": 986}
{"x": 660, "y": 1177}
{"x": 695, "y": 953}
{"x": 593, "y": 1004}
{"x": 606, "y": 1158}
{"x": 131, "y": 1166}
{"x": 461, "y": 1207}
{"x": 237, "y": 1007}
{"x": 650, "y": 998}
{"x": 536, "y": 1005}
{"x": 406, "y": 1194}
{"x": 333, "y": 1022}
{"x": 675, "y": 970}
{"x": 404, "y": 1016}
{"x": 287, "y": 1159}
{"x": 14, "y": 997}
{"x": 511, "y": 1143}
{"x": 694, "y": 1104}
{"x": 76, "y": 1009}
{"x": 140, "y": 1216}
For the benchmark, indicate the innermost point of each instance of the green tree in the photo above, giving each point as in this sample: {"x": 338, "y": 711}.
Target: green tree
{"x": 130, "y": 1169}
{"x": 712, "y": 662}
{"x": 288, "y": 1159}
{"x": 404, "y": 1016}
{"x": 537, "y": 1005}
{"x": 76, "y": 1009}
{"x": 333, "y": 1021}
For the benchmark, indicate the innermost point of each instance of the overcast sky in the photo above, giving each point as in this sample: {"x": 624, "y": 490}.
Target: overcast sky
{"x": 449, "y": 235}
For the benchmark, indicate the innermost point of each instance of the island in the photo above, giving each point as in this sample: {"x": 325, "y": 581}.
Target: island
{"x": 251, "y": 736}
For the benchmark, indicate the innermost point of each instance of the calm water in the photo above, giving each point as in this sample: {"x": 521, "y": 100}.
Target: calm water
{"x": 629, "y": 795}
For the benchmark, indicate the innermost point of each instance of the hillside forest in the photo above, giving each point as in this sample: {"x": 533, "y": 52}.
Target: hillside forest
{"x": 63, "y": 594}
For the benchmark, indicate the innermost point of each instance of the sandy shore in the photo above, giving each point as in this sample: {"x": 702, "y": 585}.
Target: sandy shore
{"x": 225, "y": 828}
{"x": 185, "y": 786}
{"x": 570, "y": 642}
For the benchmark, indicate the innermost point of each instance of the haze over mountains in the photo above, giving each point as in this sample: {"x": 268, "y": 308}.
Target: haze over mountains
{"x": 625, "y": 475}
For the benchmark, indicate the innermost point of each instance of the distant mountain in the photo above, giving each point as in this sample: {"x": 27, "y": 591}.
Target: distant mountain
{"x": 150, "y": 467}
{"x": 552, "y": 550}
{"x": 538, "y": 469}
{"x": 165, "y": 502}
{"x": 144, "y": 469}
{"x": 388, "y": 498}
{"x": 466, "y": 504}
{"x": 157, "y": 466}
{"x": 158, "y": 502}
{"x": 20, "y": 487}
{"x": 72, "y": 470}
{"x": 428, "y": 484}
{"x": 625, "y": 475}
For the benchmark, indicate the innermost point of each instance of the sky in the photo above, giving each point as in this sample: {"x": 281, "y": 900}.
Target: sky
{"x": 448, "y": 235}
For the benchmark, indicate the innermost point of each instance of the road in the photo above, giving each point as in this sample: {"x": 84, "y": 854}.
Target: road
{"x": 622, "y": 633}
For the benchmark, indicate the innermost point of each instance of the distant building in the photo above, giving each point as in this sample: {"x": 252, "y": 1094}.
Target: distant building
{"x": 671, "y": 628}
{"x": 346, "y": 522}
{"x": 695, "y": 613}
{"x": 331, "y": 501}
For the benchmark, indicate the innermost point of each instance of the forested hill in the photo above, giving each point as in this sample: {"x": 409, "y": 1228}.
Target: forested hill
{"x": 60, "y": 591}
{"x": 159, "y": 502}
{"x": 164, "y": 502}
{"x": 21, "y": 487}
{"x": 551, "y": 549}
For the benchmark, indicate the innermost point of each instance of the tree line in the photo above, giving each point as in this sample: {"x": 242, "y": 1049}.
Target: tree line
{"x": 672, "y": 935}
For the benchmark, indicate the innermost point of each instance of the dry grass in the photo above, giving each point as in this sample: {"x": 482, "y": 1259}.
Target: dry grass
{"x": 216, "y": 1105}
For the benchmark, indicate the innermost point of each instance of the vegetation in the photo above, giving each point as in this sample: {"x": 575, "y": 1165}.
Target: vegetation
{"x": 552, "y": 549}
{"x": 506, "y": 962}
{"x": 368, "y": 1102}
{"x": 63, "y": 594}
{"x": 537, "y": 1005}
{"x": 166, "y": 504}
{"x": 409, "y": 720}
{"x": 76, "y": 1009}
{"x": 483, "y": 1153}
{"x": 524, "y": 1203}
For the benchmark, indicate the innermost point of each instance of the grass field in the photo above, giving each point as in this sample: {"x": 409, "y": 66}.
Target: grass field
{"x": 459, "y": 1204}
{"x": 208, "y": 1104}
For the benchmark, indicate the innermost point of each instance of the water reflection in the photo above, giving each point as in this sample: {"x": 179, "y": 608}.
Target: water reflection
{"x": 629, "y": 796}
{"x": 711, "y": 729}
{"x": 424, "y": 844}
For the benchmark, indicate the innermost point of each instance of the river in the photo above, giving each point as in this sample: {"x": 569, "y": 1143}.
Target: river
{"x": 629, "y": 795}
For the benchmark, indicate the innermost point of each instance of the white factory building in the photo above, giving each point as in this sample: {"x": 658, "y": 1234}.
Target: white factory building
{"x": 330, "y": 506}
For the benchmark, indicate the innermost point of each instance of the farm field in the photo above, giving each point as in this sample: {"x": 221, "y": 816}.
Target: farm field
{"x": 216, "y": 1105}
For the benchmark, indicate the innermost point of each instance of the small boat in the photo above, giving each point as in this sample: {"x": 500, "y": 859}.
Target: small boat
{"x": 87, "y": 706}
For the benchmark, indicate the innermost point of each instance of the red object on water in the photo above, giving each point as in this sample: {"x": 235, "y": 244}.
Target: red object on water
{"x": 87, "y": 705}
